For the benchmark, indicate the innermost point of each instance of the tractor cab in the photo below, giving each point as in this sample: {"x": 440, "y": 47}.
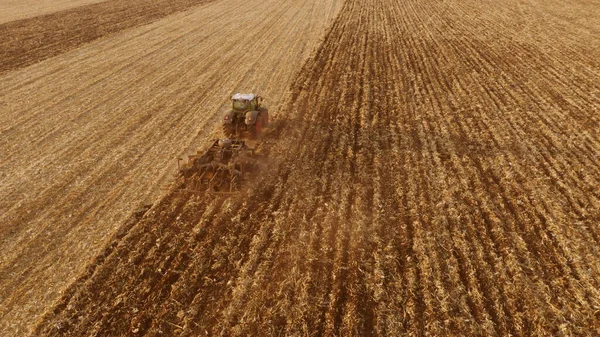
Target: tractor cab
{"x": 245, "y": 102}
{"x": 246, "y": 116}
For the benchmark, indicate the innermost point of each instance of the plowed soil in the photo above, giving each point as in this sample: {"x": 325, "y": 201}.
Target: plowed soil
{"x": 435, "y": 170}
{"x": 90, "y": 135}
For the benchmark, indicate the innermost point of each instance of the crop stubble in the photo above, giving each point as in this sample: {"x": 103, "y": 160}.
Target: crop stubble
{"x": 28, "y": 41}
{"x": 89, "y": 135}
{"x": 11, "y": 10}
{"x": 438, "y": 174}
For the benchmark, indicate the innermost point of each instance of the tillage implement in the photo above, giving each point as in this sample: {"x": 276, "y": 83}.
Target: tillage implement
{"x": 221, "y": 169}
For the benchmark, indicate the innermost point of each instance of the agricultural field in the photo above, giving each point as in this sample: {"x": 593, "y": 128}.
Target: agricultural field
{"x": 433, "y": 169}
{"x": 11, "y": 10}
{"x": 88, "y": 136}
{"x": 31, "y": 40}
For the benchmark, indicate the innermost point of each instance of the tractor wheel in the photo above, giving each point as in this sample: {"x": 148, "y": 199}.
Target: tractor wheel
{"x": 256, "y": 128}
{"x": 265, "y": 116}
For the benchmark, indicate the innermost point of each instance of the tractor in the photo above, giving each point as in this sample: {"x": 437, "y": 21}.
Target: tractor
{"x": 247, "y": 116}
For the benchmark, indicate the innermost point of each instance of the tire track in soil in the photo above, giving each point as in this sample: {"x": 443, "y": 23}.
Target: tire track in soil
{"x": 28, "y": 41}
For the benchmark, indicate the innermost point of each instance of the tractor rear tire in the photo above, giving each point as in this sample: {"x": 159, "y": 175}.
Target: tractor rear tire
{"x": 264, "y": 112}
{"x": 256, "y": 128}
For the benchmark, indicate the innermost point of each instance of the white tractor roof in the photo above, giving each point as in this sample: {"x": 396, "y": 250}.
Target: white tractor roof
{"x": 239, "y": 96}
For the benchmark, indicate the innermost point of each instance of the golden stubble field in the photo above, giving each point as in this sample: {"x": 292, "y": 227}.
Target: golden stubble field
{"x": 434, "y": 170}
{"x": 11, "y": 10}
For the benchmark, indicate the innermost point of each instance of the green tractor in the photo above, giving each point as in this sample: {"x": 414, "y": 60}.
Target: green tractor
{"x": 247, "y": 116}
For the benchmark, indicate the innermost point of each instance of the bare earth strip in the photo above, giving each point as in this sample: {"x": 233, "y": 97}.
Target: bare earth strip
{"x": 25, "y": 42}
{"x": 89, "y": 135}
{"x": 12, "y": 10}
{"x": 438, "y": 174}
